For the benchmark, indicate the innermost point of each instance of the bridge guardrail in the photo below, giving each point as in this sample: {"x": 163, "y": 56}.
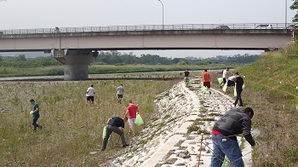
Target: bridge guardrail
{"x": 145, "y": 28}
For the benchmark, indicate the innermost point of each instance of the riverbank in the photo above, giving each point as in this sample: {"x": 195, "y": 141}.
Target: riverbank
{"x": 167, "y": 141}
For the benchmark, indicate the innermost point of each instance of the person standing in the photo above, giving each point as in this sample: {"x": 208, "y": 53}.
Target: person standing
{"x": 116, "y": 125}
{"x": 90, "y": 94}
{"x": 225, "y": 76}
{"x": 131, "y": 114}
{"x": 35, "y": 115}
{"x": 232, "y": 123}
{"x": 206, "y": 79}
{"x": 120, "y": 92}
{"x": 239, "y": 87}
{"x": 186, "y": 76}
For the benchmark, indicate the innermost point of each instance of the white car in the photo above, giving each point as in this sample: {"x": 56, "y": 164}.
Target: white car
{"x": 263, "y": 26}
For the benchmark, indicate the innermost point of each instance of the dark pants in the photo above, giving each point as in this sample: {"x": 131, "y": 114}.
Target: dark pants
{"x": 109, "y": 130}
{"x": 224, "y": 80}
{"x": 90, "y": 98}
{"x": 231, "y": 83}
{"x": 238, "y": 97}
{"x": 34, "y": 120}
{"x": 207, "y": 84}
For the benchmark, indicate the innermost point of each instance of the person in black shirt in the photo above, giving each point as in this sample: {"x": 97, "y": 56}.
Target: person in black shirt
{"x": 186, "y": 76}
{"x": 116, "y": 125}
{"x": 231, "y": 124}
{"x": 239, "y": 84}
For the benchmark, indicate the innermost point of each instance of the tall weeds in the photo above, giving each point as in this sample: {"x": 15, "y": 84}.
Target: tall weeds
{"x": 271, "y": 91}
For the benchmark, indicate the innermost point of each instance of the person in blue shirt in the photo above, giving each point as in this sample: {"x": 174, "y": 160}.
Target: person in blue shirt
{"x": 35, "y": 115}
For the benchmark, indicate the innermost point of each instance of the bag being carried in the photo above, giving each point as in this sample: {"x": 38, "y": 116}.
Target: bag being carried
{"x": 139, "y": 121}
{"x": 104, "y": 131}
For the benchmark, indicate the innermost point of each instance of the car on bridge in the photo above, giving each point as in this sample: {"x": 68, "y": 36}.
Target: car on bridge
{"x": 263, "y": 26}
{"x": 224, "y": 27}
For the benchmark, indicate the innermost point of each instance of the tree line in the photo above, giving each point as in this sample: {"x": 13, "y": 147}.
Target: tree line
{"x": 118, "y": 58}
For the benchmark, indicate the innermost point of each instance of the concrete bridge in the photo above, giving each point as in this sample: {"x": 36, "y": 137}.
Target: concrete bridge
{"x": 77, "y": 47}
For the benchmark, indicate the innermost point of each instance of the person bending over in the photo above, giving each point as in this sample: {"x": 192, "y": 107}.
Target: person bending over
{"x": 116, "y": 125}
{"x": 232, "y": 123}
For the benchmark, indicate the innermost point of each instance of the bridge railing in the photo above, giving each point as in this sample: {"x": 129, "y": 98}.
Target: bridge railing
{"x": 146, "y": 28}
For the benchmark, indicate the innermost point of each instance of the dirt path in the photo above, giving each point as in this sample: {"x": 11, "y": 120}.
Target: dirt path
{"x": 167, "y": 141}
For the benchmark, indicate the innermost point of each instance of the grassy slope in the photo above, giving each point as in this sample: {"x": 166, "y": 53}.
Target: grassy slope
{"x": 271, "y": 90}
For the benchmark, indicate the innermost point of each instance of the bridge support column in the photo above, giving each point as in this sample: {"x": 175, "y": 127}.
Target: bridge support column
{"x": 75, "y": 62}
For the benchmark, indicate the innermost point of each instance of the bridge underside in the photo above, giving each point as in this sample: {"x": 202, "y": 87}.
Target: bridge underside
{"x": 75, "y": 62}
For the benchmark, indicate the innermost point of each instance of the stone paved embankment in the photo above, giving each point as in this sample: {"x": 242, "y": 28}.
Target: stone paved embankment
{"x": 167, "y": 142}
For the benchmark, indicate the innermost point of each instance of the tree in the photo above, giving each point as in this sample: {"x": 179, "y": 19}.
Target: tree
{"x": 294, "y": 6}
{"x": 21, "y": 57}
{"x": 183, "y": 62}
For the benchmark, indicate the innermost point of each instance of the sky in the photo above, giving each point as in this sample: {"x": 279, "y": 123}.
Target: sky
{"x": 30, "y": 14}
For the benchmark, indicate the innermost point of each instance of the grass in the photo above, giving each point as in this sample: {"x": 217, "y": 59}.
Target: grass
{"x": 71, "y": 130}
{"x": 104, "y": 69}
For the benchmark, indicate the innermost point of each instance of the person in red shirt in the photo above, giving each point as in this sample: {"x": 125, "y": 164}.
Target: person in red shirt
{"x": 131, "y": 114}
{"x": 206, "y": 80}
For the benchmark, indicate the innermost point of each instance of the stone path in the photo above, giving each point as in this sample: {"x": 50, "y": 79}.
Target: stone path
{"x": 167, "y": 142}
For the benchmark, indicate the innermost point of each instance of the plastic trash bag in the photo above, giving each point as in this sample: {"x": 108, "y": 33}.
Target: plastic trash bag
{"x": 203, "y": 88}
{"x": 104, "y": 131}
{"x": 139, "y": 121}
{"x": 224, "y": 88}
{"x": 220, "y": 80}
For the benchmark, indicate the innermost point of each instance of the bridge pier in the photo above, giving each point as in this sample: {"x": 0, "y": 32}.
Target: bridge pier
{"x": 75, "y": 62}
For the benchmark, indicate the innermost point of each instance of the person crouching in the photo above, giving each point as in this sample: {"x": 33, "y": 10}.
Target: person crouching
{"x": 116, "y": 125}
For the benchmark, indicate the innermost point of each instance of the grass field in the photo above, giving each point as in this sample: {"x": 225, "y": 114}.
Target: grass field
{"x": 105, "y": 69}
{"x": 71, "y": 130}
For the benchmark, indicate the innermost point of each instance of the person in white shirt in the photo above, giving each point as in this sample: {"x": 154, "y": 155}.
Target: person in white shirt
{"x": 225, "y": 76}
{"x": 231, "y": 80}
{"x": 90, "y": 94}
{"x": 120, "y": 92}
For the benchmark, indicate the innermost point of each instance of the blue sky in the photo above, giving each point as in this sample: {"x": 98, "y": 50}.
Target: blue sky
{"x": 28, "y": 14}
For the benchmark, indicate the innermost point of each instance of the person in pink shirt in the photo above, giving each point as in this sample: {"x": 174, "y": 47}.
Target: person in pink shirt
{"x": 131, "y": 113}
